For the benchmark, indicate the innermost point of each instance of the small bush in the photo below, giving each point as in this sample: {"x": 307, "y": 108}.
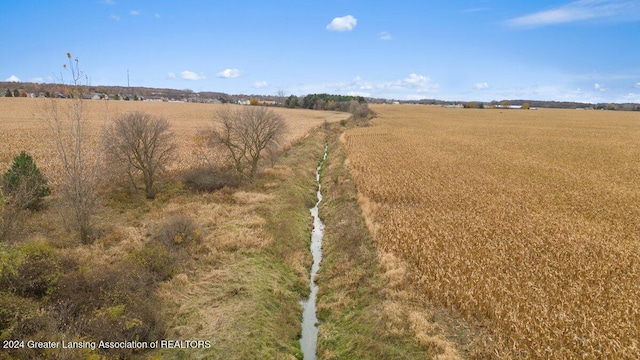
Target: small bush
{"x": 210, "y": 178}
{"x": 134, "y": 321}
{"x": 158, "y": 259}
{"x": 14, "y": 309}
{"x": 106, "y": 285}
{"x": 177, "y": 230}
{"x": 35, "y": 325}
{"x": 111, "y": 301}
{"x": 24, "y": 184}
{"x": 30, "y": 270}
{"x": 358, "y": 110}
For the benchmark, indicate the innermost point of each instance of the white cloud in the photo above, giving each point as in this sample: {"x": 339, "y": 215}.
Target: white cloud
{"x": 171, "y": 75}
{"x": 414, "y": 82}
{"x": 415, "y": 79}
{"x": 481, "y": 86}
{"x": 598, "y": 87}
{"x": 190, "y": 75}
{"x": 41, "y": 80}
{"x": 134, "y": 12}
{"x": 156, "y": 15}
{"x": 12, "y": 78}
{"x": 637, "y": 85}
{"x": 229, "y": 73}
{"x": 578, "y": 11}
{"x": 414, "y": 86}
{"x": 108, "y": 2}
{"x": 345, "y": 23}
{"x": 419, "y": 82}
{"x": 260, "y": 84}
{"x": 115, "y": 17}
{"x": 385, "y": 36}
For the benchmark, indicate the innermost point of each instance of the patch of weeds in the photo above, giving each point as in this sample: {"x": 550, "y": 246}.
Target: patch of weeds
{"x": 177, "y": 230}
{"x": 208, "y": 179}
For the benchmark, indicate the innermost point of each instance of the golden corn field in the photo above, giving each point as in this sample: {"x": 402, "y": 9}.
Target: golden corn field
{"x": 528, "y": 221}
{"x": 23, "y": 127}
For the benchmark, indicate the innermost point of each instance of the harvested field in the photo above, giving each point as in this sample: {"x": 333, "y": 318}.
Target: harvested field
{"x": 22, "y": 126}
{"x": 526, "y": 221}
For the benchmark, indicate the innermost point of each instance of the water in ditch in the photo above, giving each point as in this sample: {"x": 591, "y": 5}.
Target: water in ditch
{"x": 309, "y": 338}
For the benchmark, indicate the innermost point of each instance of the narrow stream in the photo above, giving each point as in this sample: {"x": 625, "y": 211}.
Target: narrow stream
{"x": 309, "y": 338}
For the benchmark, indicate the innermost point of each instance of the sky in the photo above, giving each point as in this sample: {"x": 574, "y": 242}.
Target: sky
{"x": 456, "y": 50}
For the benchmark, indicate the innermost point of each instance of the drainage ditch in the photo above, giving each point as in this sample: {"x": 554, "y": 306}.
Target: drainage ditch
{"x": 309, "y": 338}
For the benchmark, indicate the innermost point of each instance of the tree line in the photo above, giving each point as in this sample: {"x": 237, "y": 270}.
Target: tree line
{"x": 323, "y": 102}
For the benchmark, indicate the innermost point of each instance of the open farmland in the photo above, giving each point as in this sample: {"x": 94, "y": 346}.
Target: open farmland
{"x": 527, "y": 221}
{"x": 22, "y": 127}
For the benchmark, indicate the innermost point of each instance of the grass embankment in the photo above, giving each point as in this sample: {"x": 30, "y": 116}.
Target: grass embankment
{"x": 366, "y": 306}
{"x": 247, "y": 300}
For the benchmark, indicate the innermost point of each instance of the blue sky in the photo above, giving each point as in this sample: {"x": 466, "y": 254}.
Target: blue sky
{"x": 585, "y": 50}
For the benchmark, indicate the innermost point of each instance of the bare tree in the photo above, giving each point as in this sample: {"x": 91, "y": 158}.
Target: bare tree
{"x": 142, "y": 143}
{"x": 358, "y": 110}
{"x": 280, "y": 97}
{"x": 80, "y": 165}
{"x": 245, "y": 133}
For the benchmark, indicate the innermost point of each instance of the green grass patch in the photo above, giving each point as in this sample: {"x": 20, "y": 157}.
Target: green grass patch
{"x": 254, "y": 294}
{"x": 351, "y": 295}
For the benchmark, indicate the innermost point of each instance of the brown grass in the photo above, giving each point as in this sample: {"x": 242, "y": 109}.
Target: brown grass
{"x": 525, "y": 220}
{"x": 228, "y": 266}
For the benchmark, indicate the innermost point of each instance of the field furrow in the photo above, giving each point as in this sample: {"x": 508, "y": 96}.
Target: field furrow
{"x": 529, "y": 220}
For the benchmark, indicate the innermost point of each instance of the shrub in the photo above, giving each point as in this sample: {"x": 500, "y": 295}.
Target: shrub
{"x": 177, "y": 230}
{"x": 358, "y": 110}
{"x": 157, "y": 259}
{"x": 14, "y": 309}
{"x": 24, "y": 184}
{"x": 211, "y": 178}
{"x": 112, "y": 302}
{"x": 30, "y": 270}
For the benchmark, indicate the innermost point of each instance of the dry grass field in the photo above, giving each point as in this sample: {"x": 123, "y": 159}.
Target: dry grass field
{"x": 527, "y": 222}
{"x": 22, "y": 127}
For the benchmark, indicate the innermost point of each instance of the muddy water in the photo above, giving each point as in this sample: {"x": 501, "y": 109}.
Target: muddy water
{"x": 309, "y": 338}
